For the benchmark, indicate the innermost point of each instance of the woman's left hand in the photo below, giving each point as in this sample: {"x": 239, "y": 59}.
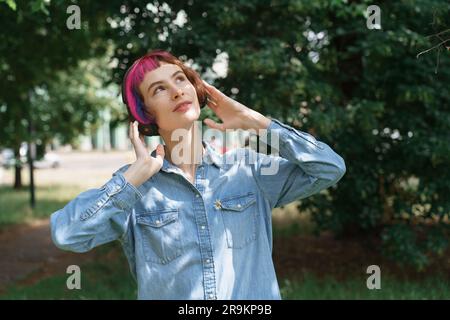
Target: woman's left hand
{"x": 234, "y": 115}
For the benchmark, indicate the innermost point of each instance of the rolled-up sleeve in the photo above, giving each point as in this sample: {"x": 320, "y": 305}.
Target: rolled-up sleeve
{"x": 303, "y": 166}
{"x": 95, "y": 216}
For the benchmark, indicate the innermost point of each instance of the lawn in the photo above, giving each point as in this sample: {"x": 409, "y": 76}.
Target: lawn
{"x": 15, "y": 204}
{"x": 108, "y": 277}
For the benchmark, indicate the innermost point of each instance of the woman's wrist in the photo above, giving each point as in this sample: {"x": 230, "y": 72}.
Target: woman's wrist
{"x": 136, "y": 173}
{"x": 256, "y": 121}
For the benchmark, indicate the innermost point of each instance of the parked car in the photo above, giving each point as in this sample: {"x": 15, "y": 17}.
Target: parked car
{"x": 49, "y": 160}
{"x": 8, "y": 159}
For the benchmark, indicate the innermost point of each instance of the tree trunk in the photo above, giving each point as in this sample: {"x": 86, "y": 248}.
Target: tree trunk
{"x": 17, "y": 169}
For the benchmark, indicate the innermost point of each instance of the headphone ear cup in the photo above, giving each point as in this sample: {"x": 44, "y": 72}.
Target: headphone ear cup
{"x": 148, "y": 129}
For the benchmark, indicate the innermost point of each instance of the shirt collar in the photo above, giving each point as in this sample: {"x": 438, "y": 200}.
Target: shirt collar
{"x": 210, "y": 156}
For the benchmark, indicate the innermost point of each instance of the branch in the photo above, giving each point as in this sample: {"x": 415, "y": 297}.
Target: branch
{"x": 432, "y": 48}
{"x": 438, "y": 34}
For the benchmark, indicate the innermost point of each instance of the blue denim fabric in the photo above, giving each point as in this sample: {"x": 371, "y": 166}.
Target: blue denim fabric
{"x": 208, "y": 240}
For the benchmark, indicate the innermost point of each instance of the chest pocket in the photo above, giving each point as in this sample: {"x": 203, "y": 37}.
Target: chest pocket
{"x": 160, "y": 235}
{"x": 239, "y": 219}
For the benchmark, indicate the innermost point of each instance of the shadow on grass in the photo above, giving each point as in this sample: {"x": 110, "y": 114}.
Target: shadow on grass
{"x": 106, "y": 277}
{"x": 15, "y": 204}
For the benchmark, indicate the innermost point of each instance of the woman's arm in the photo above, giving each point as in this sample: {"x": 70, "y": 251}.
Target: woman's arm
{"x": 304, "y": 165}
{"x": 98, "y": 216}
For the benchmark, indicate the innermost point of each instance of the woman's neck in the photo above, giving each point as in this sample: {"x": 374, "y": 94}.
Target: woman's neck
{"x": 184, "y": 148}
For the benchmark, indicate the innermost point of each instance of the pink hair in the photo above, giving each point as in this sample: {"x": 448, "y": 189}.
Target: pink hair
{"x": 135, "y": 75}
{"x": 133, "y": 79}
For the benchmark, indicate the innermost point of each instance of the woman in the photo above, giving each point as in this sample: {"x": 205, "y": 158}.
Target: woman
{"x": 195, "y": 224}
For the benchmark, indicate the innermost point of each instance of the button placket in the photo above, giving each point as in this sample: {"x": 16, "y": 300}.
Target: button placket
{"x": 206, "y": 250}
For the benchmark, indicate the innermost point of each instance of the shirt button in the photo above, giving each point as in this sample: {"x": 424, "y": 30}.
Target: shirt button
{"x": 203, "y": 227}
{"x": 239, "y": 206}
{"x": 211, "y": 296}
{"x": 99, "y": 203}
{"x": 197, "y": 195}
{"x": 117, "y": 187}
{"x": 158, "y": 222}
{"x": 208, "y": 261}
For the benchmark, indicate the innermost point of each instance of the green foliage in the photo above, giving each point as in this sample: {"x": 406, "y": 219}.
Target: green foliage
{"x": 36, "y": 47}
{"x": 314, "y": 65}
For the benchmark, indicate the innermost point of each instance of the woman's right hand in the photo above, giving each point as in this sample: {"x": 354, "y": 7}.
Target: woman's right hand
{"x": 145, "y": 165}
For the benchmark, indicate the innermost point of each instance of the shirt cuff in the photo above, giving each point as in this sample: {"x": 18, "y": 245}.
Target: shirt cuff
{"x": 123, "y": 193}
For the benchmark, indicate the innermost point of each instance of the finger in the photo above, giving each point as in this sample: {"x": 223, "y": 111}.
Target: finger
{"x": 135, "y": 130}
{"x": 141, "y": 137}
{"x": 138, "y": 142}
{"x": 129, "y": 130}
{"x": 209, "y": 97}
{"x": 160, "y": 153}
{"x": 212, "y": 105}
{"x": 214, "y": 125}
{"x": 215, "y": 93}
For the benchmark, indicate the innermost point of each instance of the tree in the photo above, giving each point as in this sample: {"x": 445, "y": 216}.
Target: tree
{"x": 36, "y": 45}
{"x": 316, "y": 66}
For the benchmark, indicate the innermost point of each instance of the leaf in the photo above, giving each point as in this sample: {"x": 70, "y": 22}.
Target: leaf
{"x": 10, "y": 3}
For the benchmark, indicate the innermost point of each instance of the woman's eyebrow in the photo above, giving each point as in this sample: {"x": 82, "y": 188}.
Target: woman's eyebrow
{"x": 158, "y": 82}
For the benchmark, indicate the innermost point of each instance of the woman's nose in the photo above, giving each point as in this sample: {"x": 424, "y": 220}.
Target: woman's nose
{"x": 177, "y": 93}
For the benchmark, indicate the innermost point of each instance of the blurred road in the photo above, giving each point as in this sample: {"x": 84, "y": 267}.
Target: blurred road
{"x": 86, "y": 169}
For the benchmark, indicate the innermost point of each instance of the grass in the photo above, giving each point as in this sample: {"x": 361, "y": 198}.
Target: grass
{"x": 313, "y": 288}
{"x": 105, "y": 278}
{"x": 109, "y": 278}
{"x": 15, "y": 204}
{"x": 295, "y": 228}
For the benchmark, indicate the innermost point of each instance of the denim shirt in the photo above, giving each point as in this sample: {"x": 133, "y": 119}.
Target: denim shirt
{"x": 211, "y": 239}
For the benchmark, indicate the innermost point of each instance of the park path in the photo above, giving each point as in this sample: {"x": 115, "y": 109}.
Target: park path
{"x": 28, "y": 254}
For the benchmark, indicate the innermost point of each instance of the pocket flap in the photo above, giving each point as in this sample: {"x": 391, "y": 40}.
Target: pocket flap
{"x": 238, "y": 203}
{"x": 157, "y": 219}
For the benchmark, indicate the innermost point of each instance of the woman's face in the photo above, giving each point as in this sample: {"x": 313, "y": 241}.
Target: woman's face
{"x": 165, "y": 88}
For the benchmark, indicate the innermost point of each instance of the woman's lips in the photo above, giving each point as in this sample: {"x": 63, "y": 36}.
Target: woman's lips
{"x": 184, "y": 107}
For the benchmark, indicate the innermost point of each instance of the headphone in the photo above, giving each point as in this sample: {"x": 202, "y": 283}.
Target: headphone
{"x": 150, "y": 129}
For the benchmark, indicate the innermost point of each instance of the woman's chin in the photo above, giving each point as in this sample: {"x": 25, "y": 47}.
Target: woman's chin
{"x": 186, "y": 121}
{"x": 190, "y": 115}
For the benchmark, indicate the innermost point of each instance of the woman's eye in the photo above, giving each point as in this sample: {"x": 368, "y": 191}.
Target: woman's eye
{"x": 157, "y": 89}
{"x": 179, "y": 79}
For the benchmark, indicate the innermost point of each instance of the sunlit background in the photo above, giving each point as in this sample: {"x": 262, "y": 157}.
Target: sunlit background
{"x": 370, "y": 82}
